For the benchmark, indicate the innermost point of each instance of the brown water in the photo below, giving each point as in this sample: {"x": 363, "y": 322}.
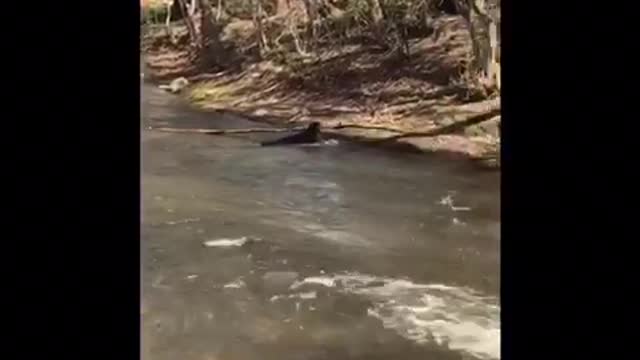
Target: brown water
{"x": 316, "y": 252}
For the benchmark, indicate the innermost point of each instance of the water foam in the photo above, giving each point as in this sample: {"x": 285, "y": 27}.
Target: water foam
{"x": 229, "y": 242}
{"x": 236, "y": 284}
{"x": 303, "y": 296}
{"x": 318, "y": 280}
{"x": 459, "y": 318}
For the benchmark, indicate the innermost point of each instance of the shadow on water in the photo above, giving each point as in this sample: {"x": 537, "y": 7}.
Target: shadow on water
{"x": 311, "y": 252}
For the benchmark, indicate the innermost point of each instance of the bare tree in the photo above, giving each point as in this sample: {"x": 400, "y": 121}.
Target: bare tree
{"x": 192, "y": 7}
{"x": 483, "y": 20}
{"x": 282, "y": 7}
{"x": 205, "y": 22}
{"x": 297, "y": 41}
{"x": 167, "y": 22}
{"x": 220, "y": 10}
{"x": 258, "y": 15}
{"x": 188, "y": 18}
{"x": 377, "y": 12}
{"x": 209, "y": 42}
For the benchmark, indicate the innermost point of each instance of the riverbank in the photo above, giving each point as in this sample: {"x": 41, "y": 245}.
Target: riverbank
{"x": 353, "y": 85}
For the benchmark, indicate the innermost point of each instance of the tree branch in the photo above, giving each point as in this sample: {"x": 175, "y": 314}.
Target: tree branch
{"x": 226, "y": 131}
{"x": 449, "y": 129}
{"x": 365, "y": 127}
{"x": 445, "y": 130}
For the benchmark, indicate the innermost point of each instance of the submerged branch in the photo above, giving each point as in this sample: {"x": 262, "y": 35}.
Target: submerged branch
{"x": 445, "y": 130}
{"x": 226, "y": 131}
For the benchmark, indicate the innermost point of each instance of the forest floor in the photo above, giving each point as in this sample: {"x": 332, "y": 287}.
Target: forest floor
{"x": 350, "y": 84}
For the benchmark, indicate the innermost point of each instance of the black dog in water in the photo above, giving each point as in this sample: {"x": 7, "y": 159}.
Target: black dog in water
{"x": 309, "y": 135}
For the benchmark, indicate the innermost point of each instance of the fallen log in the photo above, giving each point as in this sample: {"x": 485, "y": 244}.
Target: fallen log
{"x": 449, "y": 129}
{"x": 226, "y": 131}
{"x": 365, "y": 127}
{"x": 266, "y": 130}
{"x": 445, "y": 130}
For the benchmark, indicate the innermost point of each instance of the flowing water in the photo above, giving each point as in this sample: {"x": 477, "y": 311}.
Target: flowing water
{"x": 311, "y": 252}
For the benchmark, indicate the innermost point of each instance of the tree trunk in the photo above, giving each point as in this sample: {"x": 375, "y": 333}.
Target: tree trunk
{"x": 493, "y": 68}
{"x": 188, "y": 20}
{"x": 258, "y": 14}
{"x": 205, "y": 22}
{"x": 282, "y": 7}
{"x": 167, "y": 21}
{"x": 296, "y": 39}
{"x": 192, "y": 7}
{"x": 377, "y": 14}
{"x": 311, "y": 9}
{"x": 483, "y": 30}
{"x": 220, "y": 10}
{"x": 211, "y": 50}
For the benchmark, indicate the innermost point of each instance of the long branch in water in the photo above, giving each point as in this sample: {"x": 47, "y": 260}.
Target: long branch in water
{"x": 445, "y": 130}
{"x": 226, "y": 131}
